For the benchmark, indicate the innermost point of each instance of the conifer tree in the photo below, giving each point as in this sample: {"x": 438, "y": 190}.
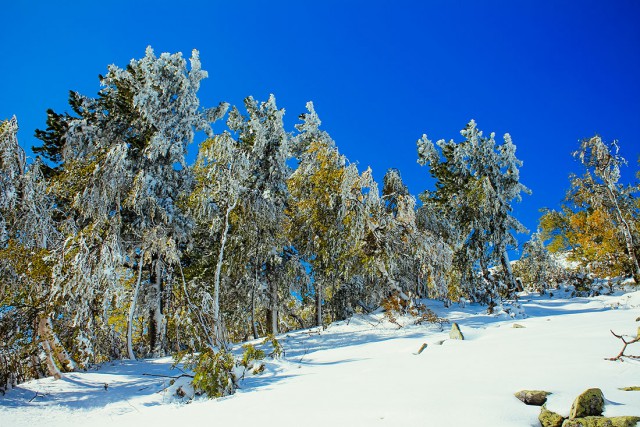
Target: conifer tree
{"x": 476, "y": 183}
{"x": 263, "y": 134}
{"x": 323, "y": 220}
{"x": 123, "y": 167}
{"x": 29, "y": 236}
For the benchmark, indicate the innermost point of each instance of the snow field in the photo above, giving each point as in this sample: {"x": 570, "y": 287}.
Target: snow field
{"x": 367, "y": 372}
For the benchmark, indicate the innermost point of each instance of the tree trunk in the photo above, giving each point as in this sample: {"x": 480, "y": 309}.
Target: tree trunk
{"x": 197, "y": 312}
{"x": 59, "y": 351}
{"x": 319, "y": 304}
{"x": 272, "y": 312}
{"x": 217, "y": 330}
{"x": 512, "y": 284}
{"x": 156, "y": 315}
{"x": 132, "y": 310}
{"x": 254, "y": 326}
{"x": 45, "y": 340}
{"x": 628, "y": 237}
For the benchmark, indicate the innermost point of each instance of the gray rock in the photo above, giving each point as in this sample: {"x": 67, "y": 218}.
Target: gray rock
{"x": 533, "y": 397}
{"x": 589, "y": 403}
{"x": 455, "y": 333}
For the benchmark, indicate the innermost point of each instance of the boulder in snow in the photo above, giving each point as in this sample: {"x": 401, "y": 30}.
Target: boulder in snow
{"x": 533, "y": 397}
{"x": 589, "y": 403}
{"x": 549, "y": 418}
{"x": 602, "y": 422}
{"x": 455, "y": 333}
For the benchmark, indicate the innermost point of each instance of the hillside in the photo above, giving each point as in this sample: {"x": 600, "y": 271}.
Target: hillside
{"x": 366, "y": 372}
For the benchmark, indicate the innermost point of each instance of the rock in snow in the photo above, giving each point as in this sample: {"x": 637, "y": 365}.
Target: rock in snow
{"x": 589, "y": 403}
{"x": 533, "y": 397}
{"x": 455, "y": 333}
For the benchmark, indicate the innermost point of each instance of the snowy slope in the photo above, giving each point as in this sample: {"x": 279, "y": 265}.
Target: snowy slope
{"x": 366, "y": 372}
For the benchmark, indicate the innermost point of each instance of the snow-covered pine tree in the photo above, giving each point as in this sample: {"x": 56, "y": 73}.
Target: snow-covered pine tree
{"x": 537, "y": 268}
{"x": 29, "y": 237}
{"x": 326, "y": 218}
{"x": 221, "y": 172}
{"x": 123, "y": 167}
{"x": 476, "y": 183}
{"x": 262, "y": 134}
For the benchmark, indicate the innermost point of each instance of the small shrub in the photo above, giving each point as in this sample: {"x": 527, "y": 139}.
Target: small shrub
{"x": 426, "y": 315}
{"x": 278, "y": 351}
{"x": 213, "y": 374}
{"x": 250, "y": 355}
{"x": 394, "y": 305}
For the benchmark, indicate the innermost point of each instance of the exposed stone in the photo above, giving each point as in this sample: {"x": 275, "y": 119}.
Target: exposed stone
{"x": 549, "y": 418}
{"x": 625, "y": 421}
{"x": 589, "y": 403}
{"x": 533, "y": 397}
{"x": 632, "y": 388}
{"x": 517, "y": 326}
{"x": 593, "y": 421}
{"x": 455, "y": 333}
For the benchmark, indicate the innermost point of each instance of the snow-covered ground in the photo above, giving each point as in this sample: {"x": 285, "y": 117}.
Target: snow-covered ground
{"x": 366, "y": 372}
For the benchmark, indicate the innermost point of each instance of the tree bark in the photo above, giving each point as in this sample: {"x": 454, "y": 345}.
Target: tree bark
{"x": 512, "y": 284}
{"x": 628, "y": 237}
{"x": 156, "y": 315}
{"x": 319, "y": 292}
{"x": 45, "y": 341}
{"x": 217, "y": 330}
{"x": 254, "y": 326}
{"x": 272, "y": 312}
{"x": 132, "y": 310}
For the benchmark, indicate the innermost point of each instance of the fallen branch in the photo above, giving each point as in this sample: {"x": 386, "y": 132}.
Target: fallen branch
{"x": 624, "y": 347}
{"x": 37, "y": 394}
{"x": 175, "y": 377}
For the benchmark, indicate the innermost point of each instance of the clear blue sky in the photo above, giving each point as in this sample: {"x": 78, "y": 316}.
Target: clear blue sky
{"x": 380, "y": 73}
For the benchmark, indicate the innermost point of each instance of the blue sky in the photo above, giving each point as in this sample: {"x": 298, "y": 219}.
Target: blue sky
{"x": 380, "y": 73}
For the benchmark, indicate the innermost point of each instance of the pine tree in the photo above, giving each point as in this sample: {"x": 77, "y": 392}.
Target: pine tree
{"x": 29, "y": 237}
{"x": 476, "y": 182}
{"x": 324, "y": 217}
{"x": 122, "y": 168}
{"x": 263, "y": 135}
{"x": 537, "y": 268}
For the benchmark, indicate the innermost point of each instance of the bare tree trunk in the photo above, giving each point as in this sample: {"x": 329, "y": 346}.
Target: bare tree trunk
{"x": 156, "y": 315}
{"x": 272, "y": 312}
{"x": 512, "y": 284}
{"x": 59, "y": 351}
{"x": 254, "y": 327}
{"x": 628, "y": 237}
{"x": 132, "y": 309}
{"x": 201, "y": 321}
{"x": 256, "y": 264}
{"x": 44, "y": 335}
{"x": 319, "y": 292}
{"x": 217, "y": 332}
